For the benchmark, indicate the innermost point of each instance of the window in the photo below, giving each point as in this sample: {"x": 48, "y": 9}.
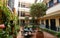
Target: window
{"x": 11, "y": 3}
{"x": 22, "y": 5}
{"x": 55, "y": 1}
{"x": 22, "y": 22}
{"x": 51, "y": 3}
{"x": 19, "y": 4}
{"x": 22, "y": 14}
{"x": 58, "y": 1}
{"x": 18, "y": 13}
{"x": 47, "y": 4}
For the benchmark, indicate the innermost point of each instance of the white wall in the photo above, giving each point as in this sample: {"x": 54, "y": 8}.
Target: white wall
{"x": 28, "y": 1}
{"x": 24, "y": 9}
{"x": 53, "y": 9}
{"x": 39, "y": 1}
{"x": 16, "y": 5}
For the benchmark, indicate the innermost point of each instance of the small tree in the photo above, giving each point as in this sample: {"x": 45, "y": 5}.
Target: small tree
{"x": 27, "y": 20}
{"x": 38, "y": 10}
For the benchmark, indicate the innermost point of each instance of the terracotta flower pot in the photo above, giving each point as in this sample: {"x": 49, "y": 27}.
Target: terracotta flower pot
{"x": 14, "y": 36}
{"x": 39, "y": 34}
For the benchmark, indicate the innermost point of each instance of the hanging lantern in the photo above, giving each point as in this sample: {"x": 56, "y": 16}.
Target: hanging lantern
{"x": 2, "y": 26}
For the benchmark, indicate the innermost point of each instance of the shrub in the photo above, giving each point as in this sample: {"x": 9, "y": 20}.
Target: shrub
{"x": 50, "y": 31}
{"x": 58, "y": 34}
{"x": 11, "y": 24}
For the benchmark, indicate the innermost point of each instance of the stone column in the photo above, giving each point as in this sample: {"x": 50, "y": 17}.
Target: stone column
{"x": 49, "y": 24}
{"x": 44, "y": 23}
{"x": 40, "y": 21}
{"x": 57, "y": 23}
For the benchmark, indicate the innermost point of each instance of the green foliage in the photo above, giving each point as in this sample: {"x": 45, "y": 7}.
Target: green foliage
{"x": 58, "y": 34}
{"x": 50, "y": 31}
{"x": 26, "y": 18}
{"x": 0, "y": 3}
{"x": 34, "y": 26}
{"x": 7, "y": 13}
{"x": 10, "y": 28}
{"x": 38, "y": 9}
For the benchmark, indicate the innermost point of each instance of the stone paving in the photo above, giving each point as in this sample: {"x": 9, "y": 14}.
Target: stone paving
{"x": 20, "y": 34}
{"x": 46, "y": 35}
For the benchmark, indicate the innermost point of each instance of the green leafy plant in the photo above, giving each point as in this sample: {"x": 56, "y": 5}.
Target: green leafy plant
{"x": 49, "y": 31}
{"x": 11, "y": 23}
{"x": 34, "y": 27}
{"x": 58, "y": 34}
{"x": 38, "y": 10}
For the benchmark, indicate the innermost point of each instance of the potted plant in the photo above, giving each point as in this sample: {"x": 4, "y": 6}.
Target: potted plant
{"x": 39, "y": 34}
